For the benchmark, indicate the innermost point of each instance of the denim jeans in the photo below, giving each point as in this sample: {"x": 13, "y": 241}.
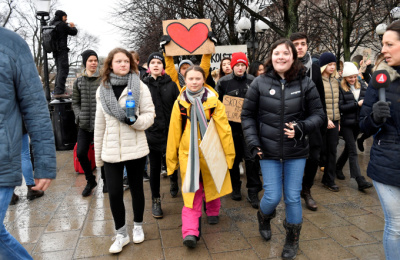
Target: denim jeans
{"x": 26, "y": 162}
{"x": 289, "y": 174}
{"x": 389, "y": 197}
{"x": 10, "y": 248}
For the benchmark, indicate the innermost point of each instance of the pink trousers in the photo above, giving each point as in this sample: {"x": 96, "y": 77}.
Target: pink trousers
{"x": 191, "y": 218}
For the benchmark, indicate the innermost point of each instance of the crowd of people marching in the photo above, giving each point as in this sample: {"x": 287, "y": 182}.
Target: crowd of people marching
{"x": 293, "y": 112}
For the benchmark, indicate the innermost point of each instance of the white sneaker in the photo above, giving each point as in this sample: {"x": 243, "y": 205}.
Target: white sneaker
{"x": 120, "y": 242}
{"x": 138, "y": 235}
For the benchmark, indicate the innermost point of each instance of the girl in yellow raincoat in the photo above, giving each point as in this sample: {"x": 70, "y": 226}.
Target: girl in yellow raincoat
{"x": 197, "y": 104}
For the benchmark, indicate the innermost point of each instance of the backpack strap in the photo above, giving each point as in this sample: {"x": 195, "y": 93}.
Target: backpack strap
{"x": 185, "y": 116}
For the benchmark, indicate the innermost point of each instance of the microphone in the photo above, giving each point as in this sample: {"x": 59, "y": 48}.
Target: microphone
{"x": 381, "y": 80}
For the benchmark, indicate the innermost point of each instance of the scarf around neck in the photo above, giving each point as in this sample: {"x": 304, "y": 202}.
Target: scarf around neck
{"x": 307, "y": 62}
{"x": 192, "y": 178}
{"x": 107, "y": 97}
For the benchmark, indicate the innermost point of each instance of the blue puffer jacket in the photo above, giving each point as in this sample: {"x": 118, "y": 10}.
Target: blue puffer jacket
{"x": 22, "y": 94}
{"x": 384, "y": 164}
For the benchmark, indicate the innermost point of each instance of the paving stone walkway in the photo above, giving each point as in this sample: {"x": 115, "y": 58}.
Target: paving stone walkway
{"x": 64, "y": 225}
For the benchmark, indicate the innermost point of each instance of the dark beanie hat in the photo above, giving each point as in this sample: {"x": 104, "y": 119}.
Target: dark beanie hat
{"x": 60, "y": 14}
{"x": 86, "y": 54}
{"x": 156, "y": 55}
{"x": 326, "y": 58}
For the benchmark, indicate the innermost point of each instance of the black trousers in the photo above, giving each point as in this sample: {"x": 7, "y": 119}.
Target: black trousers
{"x": 85, "y": 138}
{"x": 332, "y": 139}
{"x": 349, "y": 134}
{"x": 310, "y": 170}
{"x": 62, "y": 65}
{"x": 254, "y": 183}
{"x": 155, "y": 158}
{"x": 114, "y": 178}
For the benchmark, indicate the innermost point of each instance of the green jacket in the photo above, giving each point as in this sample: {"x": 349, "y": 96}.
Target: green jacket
{"x": 84, "y": 100}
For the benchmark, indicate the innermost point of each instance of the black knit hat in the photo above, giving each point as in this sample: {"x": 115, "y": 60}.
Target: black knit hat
{"x": 60, "y": 14}
{"x": 326, "y": 58}
{"x": 86, "y": 54}
{"x": 156, "y": 55}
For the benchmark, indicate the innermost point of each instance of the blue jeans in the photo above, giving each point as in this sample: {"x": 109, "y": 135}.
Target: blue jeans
{"x": 26, "y": 162}
{"x": 10, "y": 248}
{"x": 289, "y": 175}
{"x": 389, "y": 197}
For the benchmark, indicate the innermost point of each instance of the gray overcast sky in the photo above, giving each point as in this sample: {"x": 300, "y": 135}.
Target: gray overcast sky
{"x": 92, "y": 16}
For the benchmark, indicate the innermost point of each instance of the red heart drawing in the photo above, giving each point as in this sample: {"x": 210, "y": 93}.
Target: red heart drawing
{"x": 189, "y": 40}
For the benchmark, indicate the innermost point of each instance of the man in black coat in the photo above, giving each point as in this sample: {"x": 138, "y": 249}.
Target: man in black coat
{"x": 63, "y": 29}
{"x": 300, "y": 41}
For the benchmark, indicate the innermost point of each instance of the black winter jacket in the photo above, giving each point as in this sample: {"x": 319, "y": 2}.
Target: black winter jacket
{"x": 233, "y": 85}
{"x": 63, "y": 30}
{"x": 164, "y": 92}
{"x": 384, "y": 164}
{"x": 84, "y": 100}
{"x": 348, "y": 106}
{"x": 269, "y": 104}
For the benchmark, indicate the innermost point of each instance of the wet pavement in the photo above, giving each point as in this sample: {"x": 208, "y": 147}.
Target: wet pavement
{"x": 64, "y": 225}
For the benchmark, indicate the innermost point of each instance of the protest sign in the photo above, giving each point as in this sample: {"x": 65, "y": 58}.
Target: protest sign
{"x": 225, "y": 51}
{"x": 188, "y": 37}
{"x": 366, "y": 56}
{"x": 214, "y": 155}
{"x": 233, "y": 107}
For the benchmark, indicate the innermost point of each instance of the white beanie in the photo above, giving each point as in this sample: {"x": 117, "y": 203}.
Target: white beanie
{"x": 349, "y": 69}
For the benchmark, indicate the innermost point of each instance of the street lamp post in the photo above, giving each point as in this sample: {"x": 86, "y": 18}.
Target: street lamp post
{"x": 254, "y": 26}
{"x": 381, "y": 28}
{"x": 42, "y": 14}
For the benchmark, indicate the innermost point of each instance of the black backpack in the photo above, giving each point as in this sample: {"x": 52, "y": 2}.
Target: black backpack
{"x": 50, "y": 38}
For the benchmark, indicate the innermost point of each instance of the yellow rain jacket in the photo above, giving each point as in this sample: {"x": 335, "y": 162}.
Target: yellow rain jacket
{"x": 178, "y": 145}
{"x": 173, "y": 73}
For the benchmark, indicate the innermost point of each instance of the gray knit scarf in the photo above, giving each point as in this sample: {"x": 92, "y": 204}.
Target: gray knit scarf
{"x": 192, "y": 177}
{"x": 307, "y": 62}
{"x": 110, "y": 102}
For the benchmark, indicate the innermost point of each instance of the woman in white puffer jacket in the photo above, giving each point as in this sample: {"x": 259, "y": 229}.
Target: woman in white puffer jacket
{"x": 121, "y": 142}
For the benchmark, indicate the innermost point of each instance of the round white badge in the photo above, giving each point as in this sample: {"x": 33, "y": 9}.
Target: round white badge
{"x": 272, "y": 92}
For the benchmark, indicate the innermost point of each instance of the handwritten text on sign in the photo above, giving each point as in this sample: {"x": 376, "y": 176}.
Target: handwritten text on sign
{"x": 233, "y": 107}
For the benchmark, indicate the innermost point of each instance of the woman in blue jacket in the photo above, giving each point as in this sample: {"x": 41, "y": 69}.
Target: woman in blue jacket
{"x": 383, "y": 119}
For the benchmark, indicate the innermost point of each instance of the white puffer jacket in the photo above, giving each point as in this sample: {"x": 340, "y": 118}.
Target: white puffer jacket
{"x": 115, "y": 141}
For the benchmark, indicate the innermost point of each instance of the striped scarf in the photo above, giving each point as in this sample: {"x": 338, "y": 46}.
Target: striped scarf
{"x": 192, "y": 177}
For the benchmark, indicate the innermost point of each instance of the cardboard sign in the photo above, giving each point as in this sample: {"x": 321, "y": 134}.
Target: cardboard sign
{"x": 214, "y": 155}
{"x": 188, "y": 37}
{"x": 366, "y": 56}
{"x": 225, "y": 51}
{"x": 233, "y": 108}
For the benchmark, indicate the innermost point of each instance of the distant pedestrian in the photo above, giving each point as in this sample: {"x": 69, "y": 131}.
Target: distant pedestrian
{"x": 84, "y": 106}
{"x": 382, "y": 119}
{"x": 236, "y": 84}
{"x": 256, "y": 68}
{"x": 164, "y": 93}
{"x": 120, "y": 142}
{"x": 197, "y": 104}
{"x": 22, "y": 96}
{"x": 224, "y": 68}
{"x": 327, "y": 62}
{"x": 281, "y": 108}
{"x": 351, "y": 98}
{"x": 63, "y": 29}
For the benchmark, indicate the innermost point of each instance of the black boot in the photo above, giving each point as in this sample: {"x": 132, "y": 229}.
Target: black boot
{"x": 252, "y": 197}
{"x": 33, "y": 194}
{"x": 173, "y": 188}
{"x": 292, "y": 240}
{"x": 264, "y": 223}
{"x": 360, "y": 144}
{"x": 156, "y": 208}
{"x": 362, "y": 183}
{"x": 308, "y": 199}
{"x": 91, "y": 184}
{"x": 236, "y": 193}
{"x": 14, "y": 199}
{"x": 339, "y": 174}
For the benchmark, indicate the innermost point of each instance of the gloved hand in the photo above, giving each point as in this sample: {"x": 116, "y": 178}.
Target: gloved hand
{"x": 212, "y": 37}
{"x": 380, "y": 111}
{"x": 257, "y": 153}
{"x": 128, "y": 121}
{"x": 165, "y": 39}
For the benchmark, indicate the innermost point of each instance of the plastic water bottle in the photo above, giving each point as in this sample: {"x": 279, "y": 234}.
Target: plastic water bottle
{"x": 130, "y": 107}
